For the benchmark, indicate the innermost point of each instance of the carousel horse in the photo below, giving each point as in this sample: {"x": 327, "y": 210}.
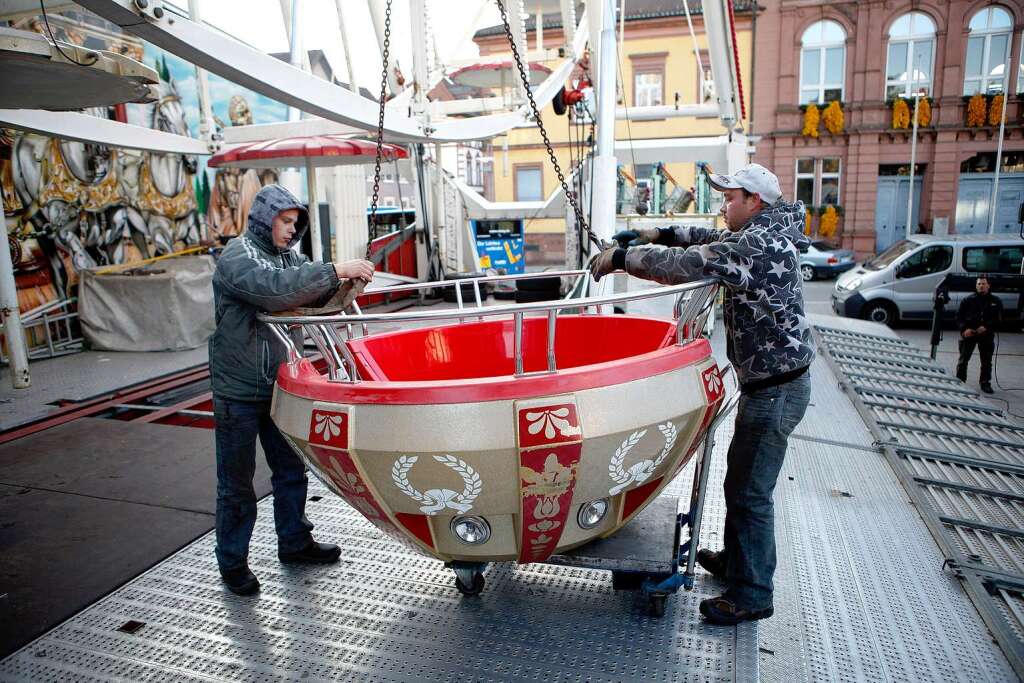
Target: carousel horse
{"x": 95, "y": 168}
{"x": 52, "y": 208}
{"x": 160, "y": 185}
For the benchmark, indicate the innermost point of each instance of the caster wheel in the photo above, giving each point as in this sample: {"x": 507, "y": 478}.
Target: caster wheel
{"x": 474, "y": 589}
{"x": 656, "y": 603}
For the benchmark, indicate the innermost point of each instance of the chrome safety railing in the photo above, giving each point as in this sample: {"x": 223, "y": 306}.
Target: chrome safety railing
{"x": 329, "y": 333}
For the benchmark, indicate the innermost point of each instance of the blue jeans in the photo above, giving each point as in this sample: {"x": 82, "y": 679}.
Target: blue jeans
{"x": 238, "y": 425}
{"x": 764, "y": 420}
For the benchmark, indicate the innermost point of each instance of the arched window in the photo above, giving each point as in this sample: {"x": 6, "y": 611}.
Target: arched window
{"x": 987, "y": 49}
{"x": 822, "y": 62}
{"x": 911, "y": 55}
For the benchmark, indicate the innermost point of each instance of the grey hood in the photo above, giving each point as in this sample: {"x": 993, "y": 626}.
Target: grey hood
{"x": 252, "y": 276}
{"x": 270, "y": 201}
{"x": 785, "y": 219}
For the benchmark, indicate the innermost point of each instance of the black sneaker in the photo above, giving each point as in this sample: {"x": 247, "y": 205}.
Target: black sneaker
{"x": 713, "y": 561}
{"x": 987, "y": 388}
{"x": 240, "y": 581}
{"x": 313, "y": 553}
{"x": 725, "y": 612}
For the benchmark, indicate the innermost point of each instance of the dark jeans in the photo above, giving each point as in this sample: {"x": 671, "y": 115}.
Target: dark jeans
{"x": 764, "y": 420}
{"x": 986, "y": 346}
{"x": 238, "y": 425}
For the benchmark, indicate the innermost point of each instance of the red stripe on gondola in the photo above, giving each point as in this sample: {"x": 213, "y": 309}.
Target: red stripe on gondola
{"x": 418, "y": 526}
{"x": 304, "y": 381}
{"x": 547, "y": 482}
{"x": 340, "y": 470}
{"x": 636, "y": 498}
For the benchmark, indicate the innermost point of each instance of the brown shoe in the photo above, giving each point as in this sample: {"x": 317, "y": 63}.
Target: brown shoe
{"x": 713, "y": 561}
{"x": 725, "y": 612}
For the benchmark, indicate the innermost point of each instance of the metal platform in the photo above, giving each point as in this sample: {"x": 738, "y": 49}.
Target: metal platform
{"x": 383, "y": 614}
{"x": 960, "y": 460}
{"x": 646, "y": 545}
{"x": 861, "y": 595}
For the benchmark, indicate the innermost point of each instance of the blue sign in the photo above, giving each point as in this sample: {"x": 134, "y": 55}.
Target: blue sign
{"x": 502, "y": 252}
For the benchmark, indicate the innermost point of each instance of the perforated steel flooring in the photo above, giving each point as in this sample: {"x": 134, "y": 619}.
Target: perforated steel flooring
{"x": 385, "y": 614}
{"x": 959, "y": 459}
{"x": 861, "y": 595}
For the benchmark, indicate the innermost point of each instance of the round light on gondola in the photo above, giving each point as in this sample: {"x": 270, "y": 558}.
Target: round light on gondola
{"x": 591, "y": 514}
{"x": 471, "y": 530}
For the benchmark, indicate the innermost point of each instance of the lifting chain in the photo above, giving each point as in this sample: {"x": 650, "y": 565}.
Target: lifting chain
{"x": 371, "y": 228}
{"x": 569, "y": 195}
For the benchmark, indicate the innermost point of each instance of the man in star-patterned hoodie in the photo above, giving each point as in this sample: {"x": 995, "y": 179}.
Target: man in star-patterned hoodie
{"x": 769, "y": 343}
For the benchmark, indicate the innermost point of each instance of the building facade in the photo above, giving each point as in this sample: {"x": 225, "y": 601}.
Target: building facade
{"x": 877, "y": 59}
{"x": 657, "y": 66}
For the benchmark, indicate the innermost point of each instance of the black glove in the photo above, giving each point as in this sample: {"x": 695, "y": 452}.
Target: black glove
{"x": 607, "y": 261}
{"x": 636, "y": 238}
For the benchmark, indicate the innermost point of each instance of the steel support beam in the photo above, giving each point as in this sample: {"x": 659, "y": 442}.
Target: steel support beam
{"x": 957, "y": 459}
{"x": 947, "y": 433}
{"x": 967, "y": 488}
{"x": 926, "y": 399}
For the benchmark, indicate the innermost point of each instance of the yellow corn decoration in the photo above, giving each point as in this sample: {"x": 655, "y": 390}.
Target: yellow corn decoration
{"x": 811, "y": 119}
{"x": 976, "y": 111}
{"x": 829, "y": 222}
{"x": 924, "y": 113}
{"x": 995, "y": 110}
{"x": 834, "y": 118}
{"x": 900, "y": 114}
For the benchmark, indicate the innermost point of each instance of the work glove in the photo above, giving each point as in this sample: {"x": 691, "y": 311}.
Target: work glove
{"x": 607, "y": 261}
{"x": 355, "y": 269}
{"x": 634, "y": 238}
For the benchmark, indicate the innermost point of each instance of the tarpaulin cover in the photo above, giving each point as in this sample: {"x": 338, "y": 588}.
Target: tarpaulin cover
{"x": 169, "y": 309}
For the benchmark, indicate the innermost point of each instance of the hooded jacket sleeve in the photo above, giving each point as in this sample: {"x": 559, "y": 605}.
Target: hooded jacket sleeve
{"x": 248, "y": 276}
{"x": 736, "y": 263}
{"x": 686, "y": 235}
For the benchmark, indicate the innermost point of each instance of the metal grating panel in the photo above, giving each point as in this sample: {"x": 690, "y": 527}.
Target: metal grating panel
{"x": 961, "y": 461}
{"x": 387, "y": 614}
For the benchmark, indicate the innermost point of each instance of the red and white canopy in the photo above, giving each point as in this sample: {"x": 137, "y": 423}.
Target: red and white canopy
{"x": 497, "y": 74}
{"x": 300, "y": 152}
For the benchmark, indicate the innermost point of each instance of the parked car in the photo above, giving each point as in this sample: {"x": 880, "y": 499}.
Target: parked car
{"x": 825, "y": 260}
{"x": 899, "y": 283}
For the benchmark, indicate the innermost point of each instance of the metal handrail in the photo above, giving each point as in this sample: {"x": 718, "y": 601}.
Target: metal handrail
{"x": 693, "y": 302}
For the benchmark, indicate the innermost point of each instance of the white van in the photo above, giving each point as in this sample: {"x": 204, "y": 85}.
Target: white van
{"x": 899, "y": 283}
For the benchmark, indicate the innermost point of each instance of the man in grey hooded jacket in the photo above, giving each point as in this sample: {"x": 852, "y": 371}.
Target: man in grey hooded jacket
{"x": 769, "y": 343}
{"x": 258, "y": 271}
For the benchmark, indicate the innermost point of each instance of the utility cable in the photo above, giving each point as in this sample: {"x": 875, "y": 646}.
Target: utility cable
{"x": 46, "y": 21}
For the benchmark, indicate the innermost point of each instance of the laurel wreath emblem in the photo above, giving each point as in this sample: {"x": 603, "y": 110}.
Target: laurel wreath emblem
{"x": 615, "y": 466}
{"x": 641, "y": 471}
{"x": 669, "y": 431}
{"x": 435, "y": 500}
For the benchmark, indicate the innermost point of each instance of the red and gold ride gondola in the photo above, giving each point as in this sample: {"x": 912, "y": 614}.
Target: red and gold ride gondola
{"x": 500, "y": 433}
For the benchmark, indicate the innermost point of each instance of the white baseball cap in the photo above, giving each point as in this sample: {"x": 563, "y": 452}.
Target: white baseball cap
{"x": 752, "y": 178}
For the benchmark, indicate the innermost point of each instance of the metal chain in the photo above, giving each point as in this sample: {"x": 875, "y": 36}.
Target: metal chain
{"x": 380, "y": 130}
{"x": 571, "y": 196}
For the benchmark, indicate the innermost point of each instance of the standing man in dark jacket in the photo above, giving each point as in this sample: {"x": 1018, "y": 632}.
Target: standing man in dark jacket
{"x": 259, "y": 271}
{"x": 769, "y": 344}
{"x": 977, "y": 318}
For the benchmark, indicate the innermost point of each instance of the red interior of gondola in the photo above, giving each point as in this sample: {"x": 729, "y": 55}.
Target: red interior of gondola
{"x": 486, "y": 349}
